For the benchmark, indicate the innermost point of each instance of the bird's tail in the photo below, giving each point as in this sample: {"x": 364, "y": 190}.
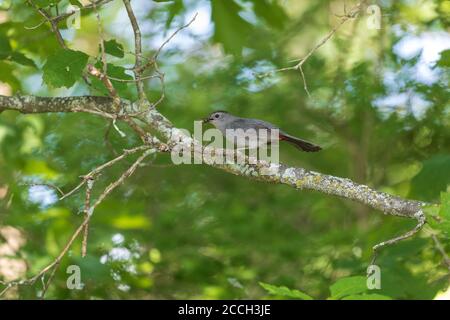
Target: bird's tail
{"x": 299, "y": 143}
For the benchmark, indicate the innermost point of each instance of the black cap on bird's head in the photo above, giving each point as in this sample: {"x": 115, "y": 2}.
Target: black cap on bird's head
{"x": 216, "y": 115}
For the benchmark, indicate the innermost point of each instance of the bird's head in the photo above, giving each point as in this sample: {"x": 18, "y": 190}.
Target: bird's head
{"x": 217, "y": 117}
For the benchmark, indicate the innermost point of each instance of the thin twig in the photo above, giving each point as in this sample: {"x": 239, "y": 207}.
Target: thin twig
{"x": 49, "y": 281}
{"x": 104, "y": 78}
{"x": 122, "y": 178}
{"x": 53, "y": 24}
{"x": 441, "y": 250}
{"x": 87, "y": 209}
{"x": 132, "y": 80}
{"x": 36, "y": 26}
{"x": 99, "y": 169}
{"x": 305, "y": 85}
{"x": 52, "y": 186}
{"x": 93, "y": 4}
{"x": 107, "y": 83}
{"x": 298, "y": 66}
{"x": 106, "y": 139}
{"x": 55, "y": 263}
{"x": 158, "y": 51}
{"x": 161, "y": 76}
{"x": 421, "y": 220}
{"x": 137, "y": 49}
{"x": 102, "y": 39}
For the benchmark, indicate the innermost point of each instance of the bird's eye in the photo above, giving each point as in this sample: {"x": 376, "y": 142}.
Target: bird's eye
{"x": 216, "y": 116}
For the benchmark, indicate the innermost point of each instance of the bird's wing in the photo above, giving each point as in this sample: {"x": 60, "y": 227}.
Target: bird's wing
{"x": 252, "y": 123}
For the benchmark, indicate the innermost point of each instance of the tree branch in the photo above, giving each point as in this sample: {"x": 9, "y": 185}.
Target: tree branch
{"x": 53, "y": 266}
{"x": 33, "y": 104}
{"x": 137, "y": 50}
{"x": 53, "y": 23}
{"x": 299, "y": 65}
{"x": 92, "y": 5}
{"x": 298, "y": 178}
{"x": 144, "y": 112}
{"x": 260, "y": 170}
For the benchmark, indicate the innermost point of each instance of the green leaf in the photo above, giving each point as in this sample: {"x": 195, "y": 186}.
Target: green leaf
{"x": 270, "y": 12}
{"x": 175, "y": 9}
{"x": 229, "y": 28}
{"x": 444, "y": 215}
{"x": 444, "y": 61}
{"x": 348, "y": 286}
{"x": 431, "y": 180}
{"x": 444, "y": 212}
{"x": 7, "y": 76}
{"x": 5, "y": 47}
{"x": 432, "y": 213}
{"x": 371, "y": 296}
{"x": 76, "y": 3}
{"x": 285, "y": 292}
{"x": 64, "y": 68}
{"x": 114, "y": 48}
{"x": 20, "y": 58}
{"x": 6, "y": 53}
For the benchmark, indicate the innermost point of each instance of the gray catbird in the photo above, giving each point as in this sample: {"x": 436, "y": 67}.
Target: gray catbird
{"x": 224, "y": 121}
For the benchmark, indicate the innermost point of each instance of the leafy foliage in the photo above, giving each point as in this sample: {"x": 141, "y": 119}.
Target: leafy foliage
{"x": 228, "y": 24}
{"x": 285, "y": 292}
{"x": 117, "y": 73}
{"x": 7, "y": 53}
{"x": 114, "y": 48}
{"x": 64, "y": 67}
{"x": 196, "y": 232}
{"x": 350, "y": 288}
{"x": 430, "y": 181}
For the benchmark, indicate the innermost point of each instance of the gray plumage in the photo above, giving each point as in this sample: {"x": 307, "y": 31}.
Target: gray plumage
{"x": 224, "y": 121}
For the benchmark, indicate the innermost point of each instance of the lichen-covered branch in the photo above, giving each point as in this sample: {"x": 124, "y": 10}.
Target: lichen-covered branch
{"x": 298, "y": 178}
{"x": 33, "y": 104}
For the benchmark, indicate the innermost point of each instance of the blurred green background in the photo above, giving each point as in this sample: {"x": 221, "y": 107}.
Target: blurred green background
{"x": 379, "y": 107}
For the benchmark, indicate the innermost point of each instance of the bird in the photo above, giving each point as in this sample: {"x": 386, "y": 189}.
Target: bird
{"x": 227, "y": 124}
